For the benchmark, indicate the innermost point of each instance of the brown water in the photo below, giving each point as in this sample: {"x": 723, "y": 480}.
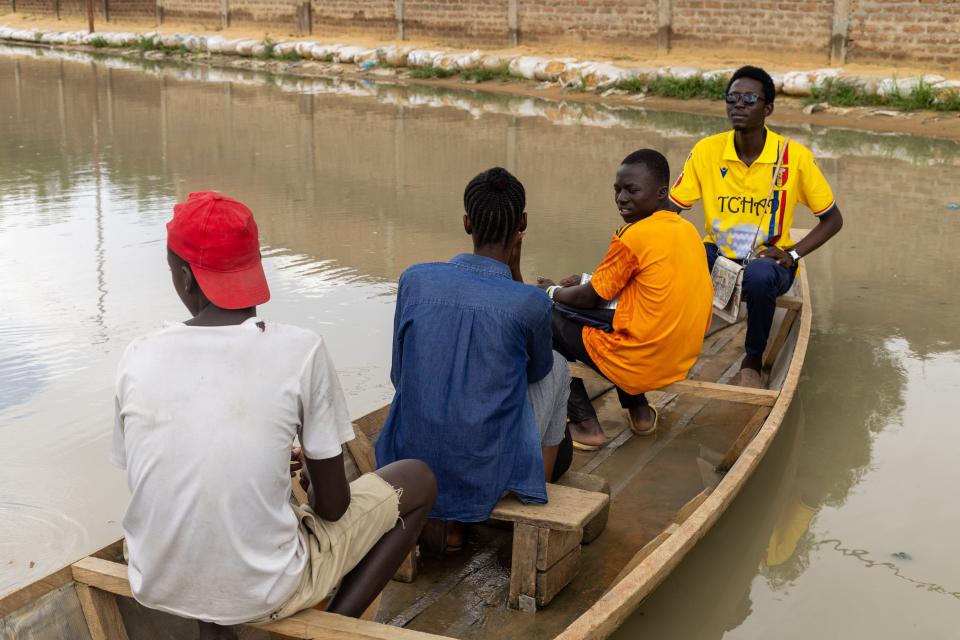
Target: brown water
{"x": 847, "y": 529}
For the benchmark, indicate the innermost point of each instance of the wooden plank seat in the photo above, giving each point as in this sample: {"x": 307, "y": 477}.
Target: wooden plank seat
{"x": 699, "y": 388}
{"x": 546, "y": 542}
{"x": 99, "y": 581}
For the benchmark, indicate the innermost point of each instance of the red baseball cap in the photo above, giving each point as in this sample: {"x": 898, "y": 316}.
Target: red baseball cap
{"x": 218, "y": 237}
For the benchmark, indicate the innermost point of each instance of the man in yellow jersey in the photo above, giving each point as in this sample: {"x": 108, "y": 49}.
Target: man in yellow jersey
{"x": 732, "y": 173}
{"x": 654, "y": 270}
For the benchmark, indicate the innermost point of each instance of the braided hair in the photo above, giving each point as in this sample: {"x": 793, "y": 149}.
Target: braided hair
{"x": 494, "y": 202}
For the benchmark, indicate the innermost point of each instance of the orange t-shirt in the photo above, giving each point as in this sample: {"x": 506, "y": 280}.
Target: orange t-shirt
{"x": 658, "y": 269}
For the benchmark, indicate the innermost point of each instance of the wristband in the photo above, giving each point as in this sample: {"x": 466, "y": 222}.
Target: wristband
{"x": 552, "y": 289}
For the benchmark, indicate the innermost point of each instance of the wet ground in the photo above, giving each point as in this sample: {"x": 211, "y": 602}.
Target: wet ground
{"x": 847, "y": 528}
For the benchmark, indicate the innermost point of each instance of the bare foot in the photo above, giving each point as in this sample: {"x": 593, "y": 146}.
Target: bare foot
{"x": 750, "y": 378}
{"x": 455, "y": 535}
{"x": 211, "y": 631}
{"x": 589, "y": 433}
{"x": 642, "y": 420}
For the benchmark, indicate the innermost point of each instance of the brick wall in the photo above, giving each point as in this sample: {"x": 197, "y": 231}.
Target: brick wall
{"x": 202, "y": 11}
{"x": 597, "y": 20}
{"x": 763, "y": 24}
{"x": 132, "y": 9}
{"x": 919, "y": 31}
{"x": 905, "y": 30}
{"x": 375, "y": 16}
{"x": 474, "y": 21}
{"x": 267, "y": 13}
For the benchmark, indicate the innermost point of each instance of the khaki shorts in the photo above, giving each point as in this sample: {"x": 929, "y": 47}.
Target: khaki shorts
{"x": 335, "y": 548}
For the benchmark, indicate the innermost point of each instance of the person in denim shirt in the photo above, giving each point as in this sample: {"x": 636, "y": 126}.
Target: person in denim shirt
{"x": 479, "y": 389}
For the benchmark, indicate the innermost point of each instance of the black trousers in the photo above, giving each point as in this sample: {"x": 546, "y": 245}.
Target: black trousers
{"x": 568, "y": 342}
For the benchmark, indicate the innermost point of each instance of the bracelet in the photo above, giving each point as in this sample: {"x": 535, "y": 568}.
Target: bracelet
{"x": 552, "y": 289}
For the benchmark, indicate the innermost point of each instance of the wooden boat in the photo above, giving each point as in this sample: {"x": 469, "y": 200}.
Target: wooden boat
{"x": 665, "y": 491}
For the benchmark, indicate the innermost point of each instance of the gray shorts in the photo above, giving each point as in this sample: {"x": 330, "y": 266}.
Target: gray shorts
{"x": 549, "y": 400}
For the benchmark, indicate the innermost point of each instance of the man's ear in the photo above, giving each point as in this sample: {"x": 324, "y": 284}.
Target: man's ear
{"x": 467, "y": 225}
{"x": 767, "y": 109}
{"x": 523, "y": 222}
{"x": 186, "y": 279}
{"x": 663, "y": 192}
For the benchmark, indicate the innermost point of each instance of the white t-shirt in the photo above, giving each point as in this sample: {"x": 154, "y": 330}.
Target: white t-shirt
{"x": 206, "y": 418}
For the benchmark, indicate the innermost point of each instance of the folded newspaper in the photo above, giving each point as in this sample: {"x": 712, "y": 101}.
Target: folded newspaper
{"x": 727, "y": 278}
{"x": 585, "y": 278}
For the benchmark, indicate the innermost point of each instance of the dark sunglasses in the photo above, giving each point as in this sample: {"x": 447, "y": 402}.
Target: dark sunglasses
{"x": 749, "y": 99}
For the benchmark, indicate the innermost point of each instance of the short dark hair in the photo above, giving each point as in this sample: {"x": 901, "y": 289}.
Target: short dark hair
{"x": 654, "y": 161}
{"x": 494, "y": 202}
{"x": 761, "y": 76}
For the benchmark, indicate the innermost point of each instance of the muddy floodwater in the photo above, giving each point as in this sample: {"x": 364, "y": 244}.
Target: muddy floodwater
{"x": 849, "y": 527}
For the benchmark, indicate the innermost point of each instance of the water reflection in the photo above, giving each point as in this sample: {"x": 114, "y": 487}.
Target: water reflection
{"x": 351, "y": 183}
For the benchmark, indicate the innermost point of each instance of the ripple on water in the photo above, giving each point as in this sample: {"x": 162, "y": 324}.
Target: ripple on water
{"x": 34, "y": 541}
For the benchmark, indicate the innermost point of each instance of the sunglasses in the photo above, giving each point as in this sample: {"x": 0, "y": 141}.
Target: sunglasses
{"x": 749, "y": 99}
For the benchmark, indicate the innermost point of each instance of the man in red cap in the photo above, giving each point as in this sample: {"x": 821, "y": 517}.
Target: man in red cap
{"x": 207, "y": 413}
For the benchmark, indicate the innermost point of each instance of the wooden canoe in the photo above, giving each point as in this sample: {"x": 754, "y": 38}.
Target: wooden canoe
{"x": 666, "y": 492}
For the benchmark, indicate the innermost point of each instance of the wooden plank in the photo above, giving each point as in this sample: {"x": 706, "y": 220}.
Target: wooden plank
{"x": 409, "y": 568}
{"x": 553, "y": 546}
{"x": 362, "y": 451}
{"x": 567, "y": 508}
{"x": 698, "y": 388}
{"x": 746, "y": 435}
{"x": 775, "y": 345}
{"x": 790, "y": 302}
{"x": 25, "y": 595}
{"x": 523, "y": 565}
{"x": 692, "y": 505}
{"x": 372, "y": 423}
{"x": 727, "y": 392}
{"x": 102, "y": 574}
{"x": 644, "y": 552}
{"x": 589, "y": 482}
{"x": 101, "y": 613}
{"x": 321, "y": 625}
{"x": 554, "y": 579}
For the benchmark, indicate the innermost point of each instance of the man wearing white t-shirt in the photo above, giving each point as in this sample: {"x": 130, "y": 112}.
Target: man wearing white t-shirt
{"x": 207, "y": 413}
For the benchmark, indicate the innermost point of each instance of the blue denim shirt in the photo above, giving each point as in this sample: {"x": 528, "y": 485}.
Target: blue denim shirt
{"x": 467, "y": 340}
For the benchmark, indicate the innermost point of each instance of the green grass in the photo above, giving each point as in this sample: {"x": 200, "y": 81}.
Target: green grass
{"x": 98, "y": 42}
{"x": 289, "y": 56}
{"x": 485, "y": 75}
{"x": 268, "y": 46}
{"x": 844, "y": 93}
{"x": 430, "y": 73}
{"x": 712, "y": 88}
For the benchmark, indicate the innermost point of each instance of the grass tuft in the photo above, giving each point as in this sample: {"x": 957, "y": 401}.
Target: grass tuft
{"x": 430, "y": 73}
{"x": 709, "y": 88}
{"x": 844, "y": 93}
{"x": 485, "y": 75}
{"x": 98, "y": 42}
{"x": 290, "y": 56}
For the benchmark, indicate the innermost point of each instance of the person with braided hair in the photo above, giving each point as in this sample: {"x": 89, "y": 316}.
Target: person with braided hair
{"x": 480, "y": 395}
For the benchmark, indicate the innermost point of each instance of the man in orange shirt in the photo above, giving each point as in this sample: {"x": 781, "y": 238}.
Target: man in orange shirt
{"x": 654, "y": 270}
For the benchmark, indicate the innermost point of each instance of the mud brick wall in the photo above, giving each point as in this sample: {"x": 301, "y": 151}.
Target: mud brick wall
{"x": 905, "y": 31}
{"x": 267, "y": 13}
{"x": 473, "y": 21}
{"x": 131, "y": 9}
{"x": 760, "y": 24}
{"x": 596, "y": 20}
{"x": 205, "y": 12}
{"x": 368, "y": 16}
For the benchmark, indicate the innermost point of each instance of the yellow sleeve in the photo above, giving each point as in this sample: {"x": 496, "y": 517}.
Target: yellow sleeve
{"x": 813, "y": 190}
{"x": 615, "y": 271}
{"x": 686, "y": 190}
